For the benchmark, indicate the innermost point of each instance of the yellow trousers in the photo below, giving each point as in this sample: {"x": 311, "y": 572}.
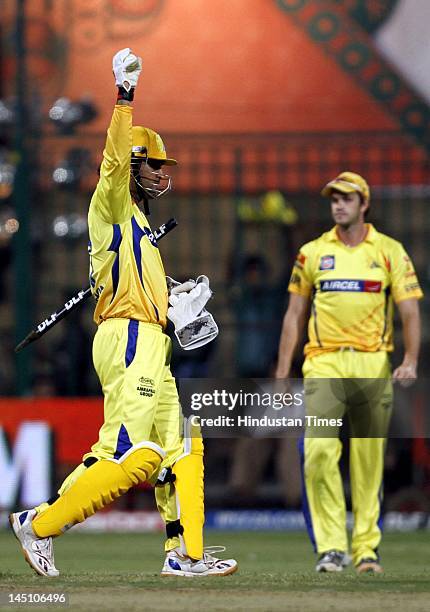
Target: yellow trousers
{"x": 141, "y": 408}
{"x": 358, "y": 385}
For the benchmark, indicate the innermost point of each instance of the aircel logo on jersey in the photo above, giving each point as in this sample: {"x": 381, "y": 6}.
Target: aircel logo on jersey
{"x": 367, "y": 286}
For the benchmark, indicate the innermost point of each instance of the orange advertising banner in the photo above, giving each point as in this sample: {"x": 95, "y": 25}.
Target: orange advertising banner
{"x": 209, "y": 67}
{"x": 73, "y": 422}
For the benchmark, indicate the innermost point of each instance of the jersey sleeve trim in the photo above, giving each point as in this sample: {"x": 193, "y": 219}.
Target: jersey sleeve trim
{"x": 417, "y": 295}
{"x": 297, "y": 291}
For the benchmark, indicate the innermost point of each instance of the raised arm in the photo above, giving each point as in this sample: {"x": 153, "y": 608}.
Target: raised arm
{"x": 111, "y": 200}
{"x": 292, "y": 330}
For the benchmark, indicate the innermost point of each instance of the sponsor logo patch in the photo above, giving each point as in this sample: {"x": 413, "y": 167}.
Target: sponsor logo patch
{"x": 295, "y": 279}
{"x": 327, "y": 262}
{"x": 146, "y": 386}
{"x": 300, "y": 261}
{"x": 412, "y": 287}
{"x": 360, "y": 286}
{"x": 150, "y": 236}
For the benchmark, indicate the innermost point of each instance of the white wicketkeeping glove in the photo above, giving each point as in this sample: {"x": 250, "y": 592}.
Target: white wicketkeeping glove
{"x": 194, "y": 325}
{"x": 126, "y": 67}
{"x": 175, "y": 288}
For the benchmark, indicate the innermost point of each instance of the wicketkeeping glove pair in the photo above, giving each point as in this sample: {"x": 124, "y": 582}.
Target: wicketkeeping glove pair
{"x": 194, "y": 325}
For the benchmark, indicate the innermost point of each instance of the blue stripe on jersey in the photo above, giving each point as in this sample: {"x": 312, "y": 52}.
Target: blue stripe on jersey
{"x": 114, "y": 246}
{"x": 123, "y": 443}
{"x": 138, "y": 234}
{"x": 133, "y": 331}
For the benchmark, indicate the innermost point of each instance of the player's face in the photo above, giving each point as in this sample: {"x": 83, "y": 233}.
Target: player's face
{"x": 347, "y": 208}
{"x": 151, "y": 179}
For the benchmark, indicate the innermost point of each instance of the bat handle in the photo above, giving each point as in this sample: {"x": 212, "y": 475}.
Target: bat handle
{"x": 31, "y": 337}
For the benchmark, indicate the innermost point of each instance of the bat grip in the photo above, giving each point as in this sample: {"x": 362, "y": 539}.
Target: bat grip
{"x": 31, "y": 337}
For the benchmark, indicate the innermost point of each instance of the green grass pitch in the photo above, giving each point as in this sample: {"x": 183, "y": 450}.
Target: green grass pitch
{"x": 276, "y": 572}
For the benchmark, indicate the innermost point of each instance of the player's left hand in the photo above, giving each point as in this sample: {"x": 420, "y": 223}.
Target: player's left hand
{"x": 405, "y": 374}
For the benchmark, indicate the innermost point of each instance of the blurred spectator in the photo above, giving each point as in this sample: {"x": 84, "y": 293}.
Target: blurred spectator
{"x": 43, "y": 385}
{"x": 258, "y": 307}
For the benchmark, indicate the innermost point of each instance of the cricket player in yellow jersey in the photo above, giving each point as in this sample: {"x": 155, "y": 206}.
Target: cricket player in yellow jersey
{"x": 349, "y": 278}
{"x": 141, "y": 433}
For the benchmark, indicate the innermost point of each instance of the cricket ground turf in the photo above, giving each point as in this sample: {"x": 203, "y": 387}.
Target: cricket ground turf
{"x": 276, "y": 572}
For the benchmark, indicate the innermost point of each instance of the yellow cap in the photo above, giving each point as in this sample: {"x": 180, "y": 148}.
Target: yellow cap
{"x": 347, "y": 182}
{"x": 147, "y": 143}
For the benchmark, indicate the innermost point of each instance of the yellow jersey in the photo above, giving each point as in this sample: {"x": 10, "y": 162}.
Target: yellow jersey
{"x": 127, "y": 277}
{"x": 352, "y": 290}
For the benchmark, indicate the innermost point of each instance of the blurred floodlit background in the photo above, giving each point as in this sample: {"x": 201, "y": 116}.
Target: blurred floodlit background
{"x": 262, "y": 102}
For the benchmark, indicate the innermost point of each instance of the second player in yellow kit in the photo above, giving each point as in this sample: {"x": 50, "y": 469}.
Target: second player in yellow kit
{"x": 353, "y": 290}
{"x": 349, "y": 279}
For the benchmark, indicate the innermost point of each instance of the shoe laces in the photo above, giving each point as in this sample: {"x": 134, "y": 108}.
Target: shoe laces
{"x": 332, "y": 555}
{"x": 209, "y": 551}
{"x": 44, "y": 547}
{"x": 369, "y": 560}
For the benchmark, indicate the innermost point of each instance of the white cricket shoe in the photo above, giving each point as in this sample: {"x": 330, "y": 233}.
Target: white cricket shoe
{"x": 178, "y": 565}
{"x": 333, "y": 561}
{"x": 38, "y": 552}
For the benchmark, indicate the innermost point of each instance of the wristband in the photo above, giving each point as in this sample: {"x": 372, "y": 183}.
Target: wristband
{"x": 123, "y": 94}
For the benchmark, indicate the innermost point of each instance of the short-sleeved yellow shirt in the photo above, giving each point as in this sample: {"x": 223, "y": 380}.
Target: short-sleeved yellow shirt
{"x": 352, "y": 290}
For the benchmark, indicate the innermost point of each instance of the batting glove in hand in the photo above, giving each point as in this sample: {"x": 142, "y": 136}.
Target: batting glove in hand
{"x": 126, "y": 67}
{"x": 194, "y": 325}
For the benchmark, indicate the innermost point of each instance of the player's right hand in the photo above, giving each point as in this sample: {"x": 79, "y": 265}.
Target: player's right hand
{"x": 126, "y": 67}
